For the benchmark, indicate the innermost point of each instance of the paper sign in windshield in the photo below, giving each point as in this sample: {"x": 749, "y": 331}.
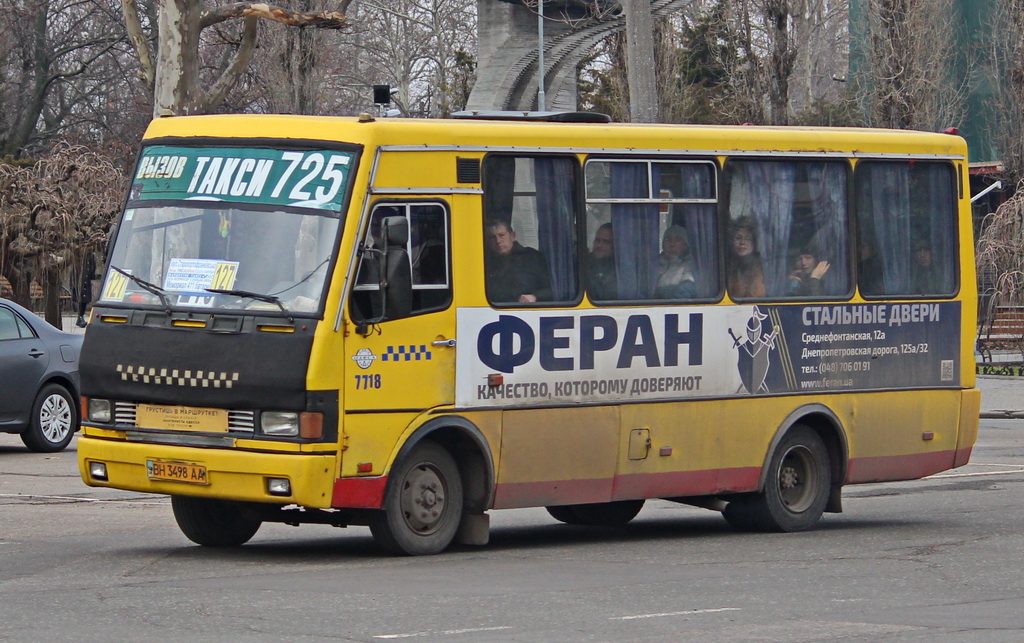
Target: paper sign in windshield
{"x": 196, "y": 275}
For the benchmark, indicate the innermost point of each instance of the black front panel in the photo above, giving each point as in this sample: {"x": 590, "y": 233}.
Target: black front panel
{"x": 164, "y": 364}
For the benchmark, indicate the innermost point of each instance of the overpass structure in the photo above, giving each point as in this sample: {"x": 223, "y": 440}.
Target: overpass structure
{"x": 507, "y": 68}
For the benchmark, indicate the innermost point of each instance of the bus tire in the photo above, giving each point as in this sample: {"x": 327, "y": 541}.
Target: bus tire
{"x": 54, "y": 420}
{"x": 213, "y": 523}
{"x": 422, "y": 504}
{"x": 796, "y": 487}
{"x": 563, "y": 513}
{"x": 601, "y": 514}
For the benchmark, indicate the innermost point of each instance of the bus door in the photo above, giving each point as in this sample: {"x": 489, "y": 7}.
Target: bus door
{"x": 400, "y": 360}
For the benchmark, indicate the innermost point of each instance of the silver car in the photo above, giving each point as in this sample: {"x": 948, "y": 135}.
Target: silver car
{"x": 38, "y": 379}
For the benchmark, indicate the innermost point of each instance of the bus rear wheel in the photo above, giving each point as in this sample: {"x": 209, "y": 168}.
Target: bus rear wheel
{"x": 602, "y": 514}
{"x": 213, "y": 523}
{"x": 422, "y": 504}
{"x": 796, "y": 487}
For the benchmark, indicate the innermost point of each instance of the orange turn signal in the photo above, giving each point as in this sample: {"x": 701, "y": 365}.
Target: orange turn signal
{"x": 311, "y": 426}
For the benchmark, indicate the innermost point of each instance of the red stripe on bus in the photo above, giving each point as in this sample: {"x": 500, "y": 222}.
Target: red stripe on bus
{"x": 359, "y": 493}
{"x": 686, "y": 483}
{"x": 899, "y": 467}
{"x": 551, "y": 492}
{"x": 623, "y": 487}
{"x": 962, "y": 456}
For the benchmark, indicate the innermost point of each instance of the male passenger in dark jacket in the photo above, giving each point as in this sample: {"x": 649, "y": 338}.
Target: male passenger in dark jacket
{"x": 515, "y": 273}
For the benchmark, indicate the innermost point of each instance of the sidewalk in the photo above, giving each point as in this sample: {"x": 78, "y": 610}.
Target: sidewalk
{"x": 1001, "y": 396}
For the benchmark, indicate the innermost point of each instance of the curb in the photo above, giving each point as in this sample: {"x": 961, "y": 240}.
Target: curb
{"x": 1002, "y": 415}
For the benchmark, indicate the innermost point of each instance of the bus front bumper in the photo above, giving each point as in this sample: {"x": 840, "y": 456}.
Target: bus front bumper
{"x": 226, "y": 474}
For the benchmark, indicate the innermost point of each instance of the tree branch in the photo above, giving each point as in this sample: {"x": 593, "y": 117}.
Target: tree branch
{"x": 239, "y": 63}
{"x": 133, "y": 25}
{"x": 322, "y": 20}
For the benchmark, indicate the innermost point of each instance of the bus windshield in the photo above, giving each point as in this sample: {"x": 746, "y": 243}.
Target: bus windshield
{"x": 249, "y": 257}
{"x": 229, "y": 227}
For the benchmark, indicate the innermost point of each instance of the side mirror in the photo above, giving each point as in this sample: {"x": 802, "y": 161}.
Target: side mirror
{"x": 384, "y": 286}
{"x": 368, "y": 294}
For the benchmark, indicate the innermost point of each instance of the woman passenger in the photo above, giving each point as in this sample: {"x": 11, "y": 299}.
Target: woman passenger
{"x": 746, "y": 276}
{"x": 675, "y": 280}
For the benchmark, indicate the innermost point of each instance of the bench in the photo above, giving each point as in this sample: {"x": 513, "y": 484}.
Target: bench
{"x": 1002, "y": 329}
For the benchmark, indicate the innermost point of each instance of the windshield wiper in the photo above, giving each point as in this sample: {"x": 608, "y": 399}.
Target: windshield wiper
{"x": 270, "y": 299}
{"x": 153, "y": 288}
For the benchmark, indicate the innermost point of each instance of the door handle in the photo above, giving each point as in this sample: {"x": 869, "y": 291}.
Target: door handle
{"x": 444, "y": 342}
{"x": 35, "y": 352}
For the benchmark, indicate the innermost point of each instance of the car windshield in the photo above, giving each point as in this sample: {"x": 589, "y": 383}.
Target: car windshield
{"x": 229, "y": 228}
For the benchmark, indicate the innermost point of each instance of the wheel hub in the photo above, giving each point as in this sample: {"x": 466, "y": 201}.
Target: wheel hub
{"x": 788, "y": 478}
{"x": 55, "y": 418}
{"x": 423, "y": 500}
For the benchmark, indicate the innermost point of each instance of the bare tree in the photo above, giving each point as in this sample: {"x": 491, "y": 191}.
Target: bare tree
{"x": 419, "y": 47}
{"x": 173, "y": 71}
{"x": 52, "y": 213}
{"x": 910, "y": 79}
{"x": 54, "y": 64}
{"x": 820, "y": 69}
{"x": 1000, "y": 256}
{"x": 1006, "y": 72}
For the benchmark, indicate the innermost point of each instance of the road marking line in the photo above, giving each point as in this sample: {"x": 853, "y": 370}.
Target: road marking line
{"x": 683, "y": 613}
{"x": 973, "y": 475}
{"x": 77, "y": 498}
{"x": 992, "y": 464}
{"x": 469, "y": 630}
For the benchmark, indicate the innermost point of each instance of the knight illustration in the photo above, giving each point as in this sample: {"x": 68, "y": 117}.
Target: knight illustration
{"x": 755, "y": 352}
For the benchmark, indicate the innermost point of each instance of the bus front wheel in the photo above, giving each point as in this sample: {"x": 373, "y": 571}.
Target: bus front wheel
{"x": 602, "y": 514}
{"x": 422, "y": 504}
{"x": 213, "y": 523}
{"x": 796, "y": 487}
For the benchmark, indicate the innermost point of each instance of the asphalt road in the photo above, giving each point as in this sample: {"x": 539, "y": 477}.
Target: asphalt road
{"x": 934, "y": 559}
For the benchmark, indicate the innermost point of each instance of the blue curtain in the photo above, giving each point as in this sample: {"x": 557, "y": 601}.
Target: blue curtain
{"x": 769, "y": 188}
{"x": 827, "y": 183}
{"x": 636, "y": 232}
{"x": 555, "y": 182}
{"x": 937, "y": 184}
{"x": 888, "y": 209}
{"x": 701, "y": 222}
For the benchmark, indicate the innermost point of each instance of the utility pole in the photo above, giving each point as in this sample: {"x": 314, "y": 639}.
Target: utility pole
{"x": 540, "y": 56}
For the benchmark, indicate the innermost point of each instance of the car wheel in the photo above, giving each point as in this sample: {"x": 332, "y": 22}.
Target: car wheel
{"x": 54, "y": 420}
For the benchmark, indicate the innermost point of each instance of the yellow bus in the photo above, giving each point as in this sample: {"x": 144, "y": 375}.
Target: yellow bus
{"x": 406, "y": 324}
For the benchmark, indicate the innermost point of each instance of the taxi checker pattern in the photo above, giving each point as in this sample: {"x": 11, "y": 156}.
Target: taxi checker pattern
{"x": 174, "y": 376}
{"x": 406, "y": 353}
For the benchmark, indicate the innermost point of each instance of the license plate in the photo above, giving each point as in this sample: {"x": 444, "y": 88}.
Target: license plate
{"x": 177, "y": 471}
{"x": 181, "y": 418}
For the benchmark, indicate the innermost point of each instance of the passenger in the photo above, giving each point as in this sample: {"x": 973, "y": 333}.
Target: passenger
{"x": 922, "y": 272}
{"x": 675, "y": 280}
{"x": 602, "y": 279}
{"x": 807, "y": 273}
{"x": 746, "y": 276}
{"x": 870, "y": 269}
{"x": 514, "y": 272}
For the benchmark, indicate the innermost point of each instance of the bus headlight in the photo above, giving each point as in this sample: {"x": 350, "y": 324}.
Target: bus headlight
{"x": 99, "y": 411}
{"x": 283, "y": 424}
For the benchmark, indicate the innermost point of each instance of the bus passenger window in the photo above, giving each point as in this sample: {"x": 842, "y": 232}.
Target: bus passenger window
{"x": 653, "y": 226}
{"x": 530, "y": 229}
{"x": 788, "y": 229}
{"x": 906, "y": 213}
